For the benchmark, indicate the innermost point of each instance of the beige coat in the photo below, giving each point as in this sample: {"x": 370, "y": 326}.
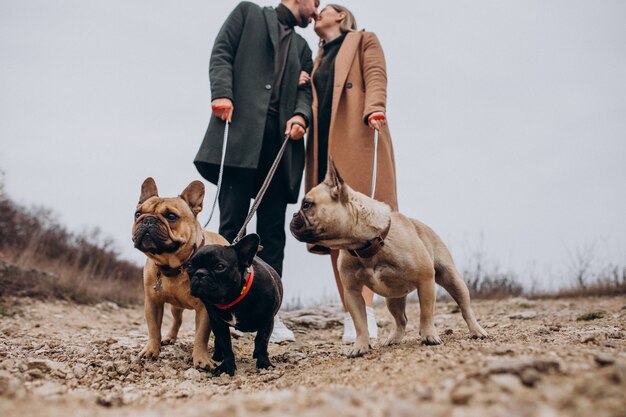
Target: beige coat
{"x": 360, "y": 89}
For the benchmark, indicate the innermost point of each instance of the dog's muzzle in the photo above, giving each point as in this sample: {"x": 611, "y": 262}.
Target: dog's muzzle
{"x": 300, "y": 229}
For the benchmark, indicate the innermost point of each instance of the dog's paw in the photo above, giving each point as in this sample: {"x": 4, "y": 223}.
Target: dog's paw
{"x": 358, "y": 349}
{"x": 392, "y": 340}
{"x": 168, "y": 340}
{"x": 479, "y": 333}
{"x": 203, "y": 362}
{"x": 150, "y": 351}
{"x": 431, "y": 340}
{"x": 264, "y": 363}
{"x": 225, "y": 367}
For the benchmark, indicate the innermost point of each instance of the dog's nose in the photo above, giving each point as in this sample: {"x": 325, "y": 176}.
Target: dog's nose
{"x": 297, "y": 222}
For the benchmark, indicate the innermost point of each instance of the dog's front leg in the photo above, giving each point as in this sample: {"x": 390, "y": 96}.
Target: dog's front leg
{"x": 153, "y": 311}
{"x": 201, "y": 358}
{"x": 222, "y": 341}
{"x": 356, "y": 307}
{"x": 172, "y": 335}
{"x": 427, "y": 294}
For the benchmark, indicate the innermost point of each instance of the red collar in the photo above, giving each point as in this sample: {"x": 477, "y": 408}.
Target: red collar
{"x": 244, "y": 290}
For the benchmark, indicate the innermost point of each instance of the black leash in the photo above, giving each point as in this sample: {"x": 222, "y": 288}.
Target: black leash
{"x": 262, "y": 190}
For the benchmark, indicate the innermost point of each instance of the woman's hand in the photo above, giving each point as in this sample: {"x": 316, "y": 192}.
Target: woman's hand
{"x": 222, "y": 109}
{"x": 296, "y": 127}
{"x": 304, "y": 78}
{"x": 377, "y": 120}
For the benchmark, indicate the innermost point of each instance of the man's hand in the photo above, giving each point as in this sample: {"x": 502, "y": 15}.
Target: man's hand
{"x": 296, "y": 127}
{"x": 222, "y": 109}
{"x": 304, "y": 78}
{"x": 377, "y": 120}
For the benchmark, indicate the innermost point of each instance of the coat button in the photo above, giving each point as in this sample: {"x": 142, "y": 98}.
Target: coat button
{"x": 268, "y": 86}
{"x": 348, "y": 85}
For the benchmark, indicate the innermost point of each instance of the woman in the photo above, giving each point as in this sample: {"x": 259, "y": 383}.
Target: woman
{"x": 349, "y": 81}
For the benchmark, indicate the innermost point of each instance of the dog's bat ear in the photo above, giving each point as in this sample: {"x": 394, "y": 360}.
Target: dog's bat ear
{"x": 194, "y": 196}
{"x": 247, "y": 248}
{"x": 334, "y": 180}
{"x": 148, "y": 189}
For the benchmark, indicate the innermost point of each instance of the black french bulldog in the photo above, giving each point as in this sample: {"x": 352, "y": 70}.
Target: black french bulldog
{"x": 238, "y": 290}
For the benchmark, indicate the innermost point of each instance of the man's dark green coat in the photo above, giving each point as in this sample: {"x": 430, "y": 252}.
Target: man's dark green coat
{"x": 242, "y": 69}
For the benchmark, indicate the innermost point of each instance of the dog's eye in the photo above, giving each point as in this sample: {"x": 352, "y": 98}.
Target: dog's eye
{"x": 219, "y": 267}
{"x": 306, "y": 205}
{"x": 171, "y": 217}
{"x": 137, "y": 214}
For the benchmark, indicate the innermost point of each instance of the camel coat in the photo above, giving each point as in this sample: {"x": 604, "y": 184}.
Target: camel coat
{"x": 360, "y": 89}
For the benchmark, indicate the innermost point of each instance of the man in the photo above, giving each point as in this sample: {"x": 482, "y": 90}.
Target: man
{"x": 254, "y": 70}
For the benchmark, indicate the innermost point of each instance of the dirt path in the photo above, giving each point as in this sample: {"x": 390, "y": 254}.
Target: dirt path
{"x": 63, "y": 359}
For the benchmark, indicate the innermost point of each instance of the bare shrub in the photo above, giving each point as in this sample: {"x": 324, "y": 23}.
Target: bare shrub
{"x": 82, "y": 267}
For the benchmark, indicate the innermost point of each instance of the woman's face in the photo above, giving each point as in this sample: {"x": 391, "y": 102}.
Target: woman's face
{"x": 328, "y": 18}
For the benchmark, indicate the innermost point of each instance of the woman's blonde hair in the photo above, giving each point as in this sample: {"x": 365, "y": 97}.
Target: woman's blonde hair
{"x": 348, "y": 24}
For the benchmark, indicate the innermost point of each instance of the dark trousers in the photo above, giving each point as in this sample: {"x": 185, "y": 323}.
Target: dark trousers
{"x": 240, "y": 185}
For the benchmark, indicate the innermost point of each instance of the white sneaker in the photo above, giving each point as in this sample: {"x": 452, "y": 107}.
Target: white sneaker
{"x": 349, "y": 331}
{"x": 281, "y": 333}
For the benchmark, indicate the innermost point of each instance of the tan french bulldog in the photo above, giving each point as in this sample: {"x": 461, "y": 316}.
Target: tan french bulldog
{"x": 386, "y": 251}
{"x": 168, "y": 232}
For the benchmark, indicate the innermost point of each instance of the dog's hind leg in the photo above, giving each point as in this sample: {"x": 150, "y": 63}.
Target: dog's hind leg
{"x": 261, "y": 341}
{"x": 449, "y": 278}
{"x": 397, "y": 308}
{"x": 172, "y": 335}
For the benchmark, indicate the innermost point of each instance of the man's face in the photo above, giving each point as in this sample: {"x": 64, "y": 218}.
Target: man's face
{"x": 307, "y": 12}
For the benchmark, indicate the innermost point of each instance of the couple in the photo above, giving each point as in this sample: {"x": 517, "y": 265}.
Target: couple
{"x": 260, "y": 83}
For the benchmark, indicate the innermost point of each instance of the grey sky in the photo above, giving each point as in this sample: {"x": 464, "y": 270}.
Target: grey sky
{"x": 508, "y": 119}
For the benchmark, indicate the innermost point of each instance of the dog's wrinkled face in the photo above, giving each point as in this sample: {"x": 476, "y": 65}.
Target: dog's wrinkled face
{"x": 217, "y": 273}
{"x": 324, "y": 217}
{"x": 167, "y": 225}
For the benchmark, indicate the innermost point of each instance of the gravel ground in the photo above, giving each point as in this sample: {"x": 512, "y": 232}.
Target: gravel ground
{"x": 544, "y": 358}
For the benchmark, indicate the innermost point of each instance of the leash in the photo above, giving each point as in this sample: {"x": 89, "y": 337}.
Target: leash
{"x": 221, "y": 174}
{"x": 375, "y": 167}
{"x": 259, "y": 196}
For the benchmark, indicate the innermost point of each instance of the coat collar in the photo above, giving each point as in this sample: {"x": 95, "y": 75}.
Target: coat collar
{"x": 272, "y": 24}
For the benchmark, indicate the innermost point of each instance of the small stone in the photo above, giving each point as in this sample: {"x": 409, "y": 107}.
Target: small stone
{"x": 448, "y": 332}
{"x": 49, "y": 389}
{"x": 523, "y": 315}
{"x": 192, "y": 374}
{"x": 604, "y": 359}
{"x": 79, "y": 371}
{"x": 7, "y": 364}
{"x": 122, "y": 367}
{"x": 41, "y": 364}
{"x": 462, "y": 394}
{"x": 507, "y": 382}
{"x": 108, "y": 366}
{"x": 529, "y": 377}
{"x": 592, "y": 336}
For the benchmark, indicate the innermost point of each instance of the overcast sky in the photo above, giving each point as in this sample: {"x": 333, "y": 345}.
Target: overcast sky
{"x": 508, "y": 120}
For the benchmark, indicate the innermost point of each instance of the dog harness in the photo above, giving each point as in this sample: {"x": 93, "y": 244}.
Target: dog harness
{"x": 244, "y": 290}
{"x": 172, "y": 272}
{"x": 372, "y": 246}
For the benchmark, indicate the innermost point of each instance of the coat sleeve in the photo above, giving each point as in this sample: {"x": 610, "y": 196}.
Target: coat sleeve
{"x": 224, "y": 51}
{"x": 304, "y": 96}
{"x": 374, "y": 76}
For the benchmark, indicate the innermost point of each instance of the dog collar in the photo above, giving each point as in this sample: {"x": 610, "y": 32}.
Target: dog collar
{"x": 173, "y": 272}
{"x": 244, "y": 290}
{"x": 372, "y": 246}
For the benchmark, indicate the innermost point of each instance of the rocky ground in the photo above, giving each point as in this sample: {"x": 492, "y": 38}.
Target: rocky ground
{"x": 544, "y": 358}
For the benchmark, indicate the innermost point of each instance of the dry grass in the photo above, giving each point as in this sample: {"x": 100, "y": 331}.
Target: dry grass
{"x": 41, "y": 258}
